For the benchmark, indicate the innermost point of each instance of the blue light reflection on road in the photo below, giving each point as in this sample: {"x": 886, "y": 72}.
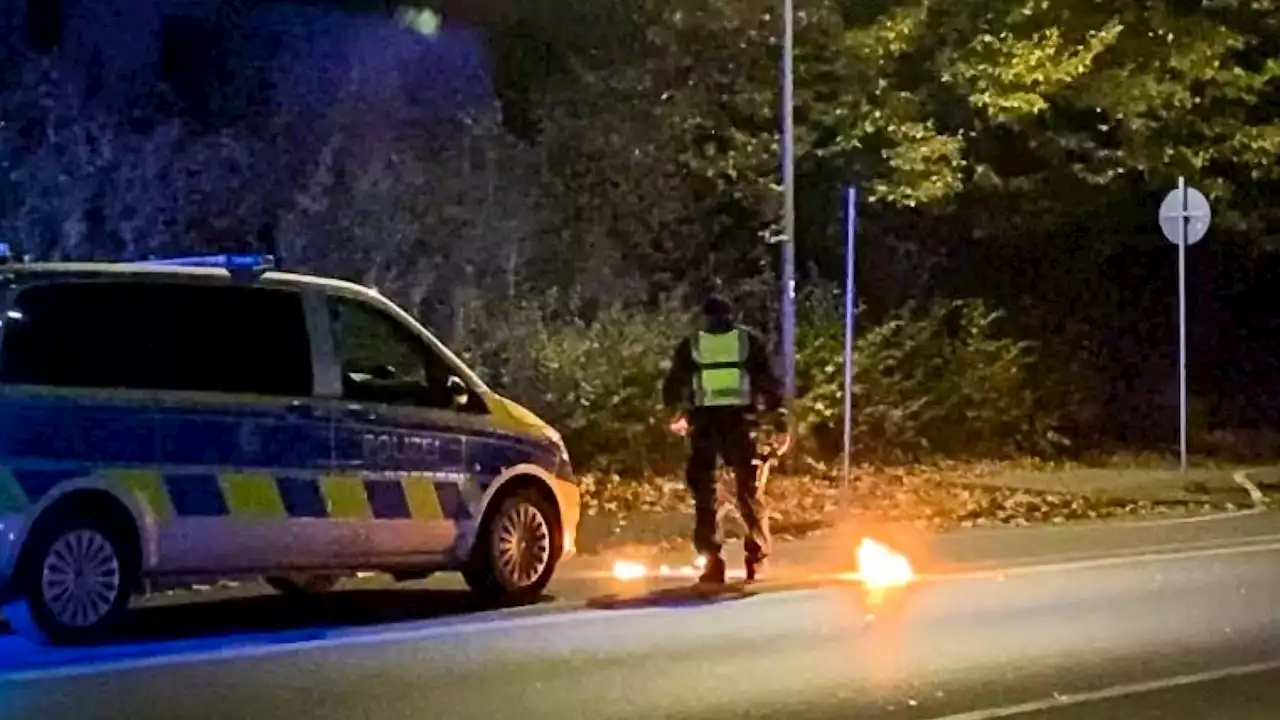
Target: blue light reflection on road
{"x": 18, "y": 655}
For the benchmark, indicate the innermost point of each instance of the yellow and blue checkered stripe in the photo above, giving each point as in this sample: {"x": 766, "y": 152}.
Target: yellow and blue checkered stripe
{"x": 261, "y": 495}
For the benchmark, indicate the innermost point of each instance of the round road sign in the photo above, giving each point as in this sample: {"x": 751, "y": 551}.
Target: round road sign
{"x": 1197, "y": 214}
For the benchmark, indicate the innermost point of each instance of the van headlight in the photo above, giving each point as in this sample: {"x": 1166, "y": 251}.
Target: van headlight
{"x": 564, "y": 467}
{"x": 555, "y": 437}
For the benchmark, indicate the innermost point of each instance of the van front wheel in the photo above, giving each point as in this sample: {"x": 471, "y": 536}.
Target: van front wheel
{"x": 516, "y": 551}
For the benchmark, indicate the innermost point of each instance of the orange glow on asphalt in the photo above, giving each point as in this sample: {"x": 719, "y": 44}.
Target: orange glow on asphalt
{"x": 881, "y": 567}
{"x": 629, "y": 570}
{"x": 878, "y": 567}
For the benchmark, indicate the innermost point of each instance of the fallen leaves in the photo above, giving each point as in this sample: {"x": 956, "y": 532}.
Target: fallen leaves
{"x": 935, "y": 497}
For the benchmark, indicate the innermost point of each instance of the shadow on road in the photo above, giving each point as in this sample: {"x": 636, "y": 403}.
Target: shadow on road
{"x": 677, "y": 597}
{"x": 273, "y": 613}
{"x": 183, "y": 619}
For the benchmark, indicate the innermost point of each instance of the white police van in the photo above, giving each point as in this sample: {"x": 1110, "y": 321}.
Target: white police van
{"x": 215, "y": 417}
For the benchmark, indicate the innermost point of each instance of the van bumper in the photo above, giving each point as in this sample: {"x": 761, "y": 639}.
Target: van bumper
{"x": 11, "y": 533}
{"x": 569, "y": 500}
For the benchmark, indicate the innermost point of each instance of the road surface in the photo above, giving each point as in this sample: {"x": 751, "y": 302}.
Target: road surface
{"x": 1170, "y": 621}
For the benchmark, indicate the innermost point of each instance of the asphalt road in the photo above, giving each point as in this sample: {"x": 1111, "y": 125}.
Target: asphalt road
{"x": 1174, "y": 621}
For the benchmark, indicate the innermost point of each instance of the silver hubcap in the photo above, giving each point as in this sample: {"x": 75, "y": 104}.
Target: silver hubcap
{"x": 523, "y": 545}
{"x": 81, "y": 578}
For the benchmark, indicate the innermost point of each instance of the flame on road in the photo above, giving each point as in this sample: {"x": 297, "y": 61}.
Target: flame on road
{"x": 629, "y": 570}
{"x": 881, "y": 567}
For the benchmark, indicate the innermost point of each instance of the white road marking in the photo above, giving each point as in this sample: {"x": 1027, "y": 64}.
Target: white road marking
{"x": 1114, "y": 692}
{"x": 342, "y": 638}
{"x": 1115, "y": 523}
{"x": 1241, "y": 478}
{"x": 1122, "y": 560}
{"x": 1054, "y": 563}
{"x": 1084, "y": 564}
{"x": 1210, "y": 517}
{"x": 1135, "y": 551}
{"x": 496, "y": 622}
{"x": 605, "y": 572}
{"x": 1255, "y": 495}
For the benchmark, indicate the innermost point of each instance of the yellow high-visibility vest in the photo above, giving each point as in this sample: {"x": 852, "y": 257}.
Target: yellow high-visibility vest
{"x": 722, "y": 379}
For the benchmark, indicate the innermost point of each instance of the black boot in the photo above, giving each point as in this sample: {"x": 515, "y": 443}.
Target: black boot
{"x": 713, "y": 573}
{"x": 754, "y": 565}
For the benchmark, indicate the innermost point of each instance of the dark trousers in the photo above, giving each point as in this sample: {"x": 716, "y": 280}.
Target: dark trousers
{"x": 727, "y": 434}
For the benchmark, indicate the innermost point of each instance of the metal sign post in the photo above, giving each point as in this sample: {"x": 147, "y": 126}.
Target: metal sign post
{"x": 788, "y": 152}
{"x": 1184, "y": 219}
{"x": 850, "y": 314}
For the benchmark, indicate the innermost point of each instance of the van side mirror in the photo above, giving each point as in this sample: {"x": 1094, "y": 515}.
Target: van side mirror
{"x": 458, "y": 390}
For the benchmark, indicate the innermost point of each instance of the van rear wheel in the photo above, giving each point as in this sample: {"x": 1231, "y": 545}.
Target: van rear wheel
{"x": 516, "y": 551}
{"x": 75, "y": 583}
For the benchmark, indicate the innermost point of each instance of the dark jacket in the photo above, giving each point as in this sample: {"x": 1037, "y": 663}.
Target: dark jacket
{"x": 677, "y": 390}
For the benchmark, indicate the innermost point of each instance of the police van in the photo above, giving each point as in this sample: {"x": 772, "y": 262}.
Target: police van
{"x": 213, "y": 417}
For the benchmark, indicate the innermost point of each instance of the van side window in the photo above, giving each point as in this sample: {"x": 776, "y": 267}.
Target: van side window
{"x": 158, "y": 336}
{"x": 384, "y": 361}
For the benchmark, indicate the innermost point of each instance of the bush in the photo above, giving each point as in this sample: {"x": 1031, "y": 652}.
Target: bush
{"x": 931, "y": 381}
{"x": 935, "y": 381}
{"x": 594, "y": 373}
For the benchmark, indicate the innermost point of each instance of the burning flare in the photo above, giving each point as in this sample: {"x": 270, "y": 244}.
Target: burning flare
{"x": 881, "y": 567}
{"x": 629, "y": 570}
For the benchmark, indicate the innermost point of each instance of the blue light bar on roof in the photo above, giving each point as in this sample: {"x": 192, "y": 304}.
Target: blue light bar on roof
{"x": 236, "y": 261}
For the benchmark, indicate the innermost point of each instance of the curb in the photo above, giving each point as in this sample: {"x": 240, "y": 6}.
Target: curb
{"x": 1255, "y": 495}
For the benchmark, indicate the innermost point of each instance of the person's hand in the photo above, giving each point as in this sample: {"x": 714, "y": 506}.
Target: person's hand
{"x": 782, "y": 442}
{"x": 679, "y": 425}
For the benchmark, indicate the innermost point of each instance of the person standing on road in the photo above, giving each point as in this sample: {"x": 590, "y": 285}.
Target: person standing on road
{"x": 720, "y": 380}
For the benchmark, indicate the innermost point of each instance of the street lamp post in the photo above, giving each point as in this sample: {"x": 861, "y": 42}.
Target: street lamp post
{"x": 788, "y": 320}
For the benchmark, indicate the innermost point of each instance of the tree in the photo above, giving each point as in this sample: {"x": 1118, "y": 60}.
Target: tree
{"x": 1008, "y": 149}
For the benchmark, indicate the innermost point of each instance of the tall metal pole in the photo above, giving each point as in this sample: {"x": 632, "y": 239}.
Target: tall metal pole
{"x": 850, "y": 309}
{"x": 788, "y": 324}
{"x": 1182, "y": 321}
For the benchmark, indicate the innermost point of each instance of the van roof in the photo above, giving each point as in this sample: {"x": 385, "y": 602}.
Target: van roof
{"x": 142, "y": 270}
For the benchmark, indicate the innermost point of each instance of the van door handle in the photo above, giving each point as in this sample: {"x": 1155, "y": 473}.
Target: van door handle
{"x": 356, "y": 411}
{"x": 299, "y": 409}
